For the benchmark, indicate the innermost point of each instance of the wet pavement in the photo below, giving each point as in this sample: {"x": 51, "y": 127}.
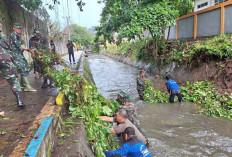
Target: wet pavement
{"x": 17, "y": 120}
{"x": 14, "y": 125}
{"x": 174, "y": 130}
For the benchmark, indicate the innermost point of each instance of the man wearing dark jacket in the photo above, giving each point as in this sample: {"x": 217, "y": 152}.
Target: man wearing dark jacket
{"x": 173, "y": 89}
{"x": 70, "y": 51}
{"x": 132, "y": 148}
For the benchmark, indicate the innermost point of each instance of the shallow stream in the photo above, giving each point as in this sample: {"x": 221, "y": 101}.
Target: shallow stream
{"x": 174, "y": 130}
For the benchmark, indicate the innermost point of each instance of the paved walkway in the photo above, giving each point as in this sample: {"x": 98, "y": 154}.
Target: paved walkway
{"x": 17, "y": 120}
{"x": 77, "y": 55}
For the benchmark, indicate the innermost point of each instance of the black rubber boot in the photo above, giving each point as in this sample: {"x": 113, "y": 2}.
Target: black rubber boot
{"x": 20, "y": 102}
{"x": 45, "y": 83}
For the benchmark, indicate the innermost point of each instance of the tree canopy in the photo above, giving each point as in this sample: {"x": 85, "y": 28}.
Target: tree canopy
{"x": 81, "y": 35}
{"x": 129, "y": 18}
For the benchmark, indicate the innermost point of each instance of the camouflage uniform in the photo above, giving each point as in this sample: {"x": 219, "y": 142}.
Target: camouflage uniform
{"x": 140, "y": 86}
{"x": 42, "y": 46}
{"x": 7, "y": 67}
{"x": 17, "y": 53}
{"x": 131, "y": 114}
{"x": 38, "y": 44}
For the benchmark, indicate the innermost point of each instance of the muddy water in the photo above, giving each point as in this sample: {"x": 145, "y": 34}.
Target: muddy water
{"x": 173, "y": 129}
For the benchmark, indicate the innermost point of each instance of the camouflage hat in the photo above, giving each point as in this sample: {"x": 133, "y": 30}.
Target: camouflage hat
{"x": 17, "y": 25}
{"x": 127, "y": 99}
{"x": 37, "y": 32}
{"x": 122, "y": 94}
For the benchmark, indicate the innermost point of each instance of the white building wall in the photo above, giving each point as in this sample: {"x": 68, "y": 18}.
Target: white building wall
{"x": 199, "y": 2}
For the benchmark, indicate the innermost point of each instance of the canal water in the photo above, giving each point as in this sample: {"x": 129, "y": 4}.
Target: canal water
{"x": 174, "y": 130}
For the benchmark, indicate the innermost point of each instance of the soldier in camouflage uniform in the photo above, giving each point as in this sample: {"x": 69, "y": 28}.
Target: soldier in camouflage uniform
{"x": 141, "y": 83}
{"x": 9, "y": 71}
{"x": 18, "y": 59}
{"x": 129, "y": 107}
{"x": 38, "y": 42}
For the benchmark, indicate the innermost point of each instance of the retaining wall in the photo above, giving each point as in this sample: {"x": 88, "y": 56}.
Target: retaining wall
{"x": 181, "y": 73}
{"x": 11, "y": 12}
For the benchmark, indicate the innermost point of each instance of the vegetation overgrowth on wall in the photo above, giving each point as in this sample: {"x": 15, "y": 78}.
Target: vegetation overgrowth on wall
{"x": 85, "y": 102}
{"x": 202, "y": 93}
{"x": 217, "y": 48}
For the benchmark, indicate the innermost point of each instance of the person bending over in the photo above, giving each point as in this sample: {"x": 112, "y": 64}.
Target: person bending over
{"x": 173, "y": 89}
{"x": 132, "y": 148}
{"x": 121, "y": 118}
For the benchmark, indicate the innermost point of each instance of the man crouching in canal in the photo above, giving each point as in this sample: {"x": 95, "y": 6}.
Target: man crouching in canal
{"x": 121, "y": 118}
{"x": 132, "y": 148}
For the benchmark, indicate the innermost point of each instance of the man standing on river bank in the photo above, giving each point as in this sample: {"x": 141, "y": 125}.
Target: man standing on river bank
{"x": 70, "y": 47}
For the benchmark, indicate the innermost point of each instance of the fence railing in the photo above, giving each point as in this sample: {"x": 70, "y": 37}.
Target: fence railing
{"x": 211, "y": 21}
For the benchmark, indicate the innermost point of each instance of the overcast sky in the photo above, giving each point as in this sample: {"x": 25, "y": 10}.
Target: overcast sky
{"x": 88, "y": 18}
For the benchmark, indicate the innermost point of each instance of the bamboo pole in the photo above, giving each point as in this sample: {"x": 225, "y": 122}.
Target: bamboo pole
{"x": 222, "y": 19}
{"x": 177, "y": 21}
{"x": 195, "y": 27}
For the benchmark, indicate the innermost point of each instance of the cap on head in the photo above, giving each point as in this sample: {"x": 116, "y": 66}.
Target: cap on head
{"x": 127, "y": 99}
{"x": 122, "y": 94}
{"x": 37, "y": 32}
{"x": 17, "y": 25}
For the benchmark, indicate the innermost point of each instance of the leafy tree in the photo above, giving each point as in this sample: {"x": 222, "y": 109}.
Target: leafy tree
{"x": 129, "y": 18}
{"x": 81, "y": 35}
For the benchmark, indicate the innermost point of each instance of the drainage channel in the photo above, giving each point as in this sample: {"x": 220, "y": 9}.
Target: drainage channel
{"x": 174, "y": 130}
